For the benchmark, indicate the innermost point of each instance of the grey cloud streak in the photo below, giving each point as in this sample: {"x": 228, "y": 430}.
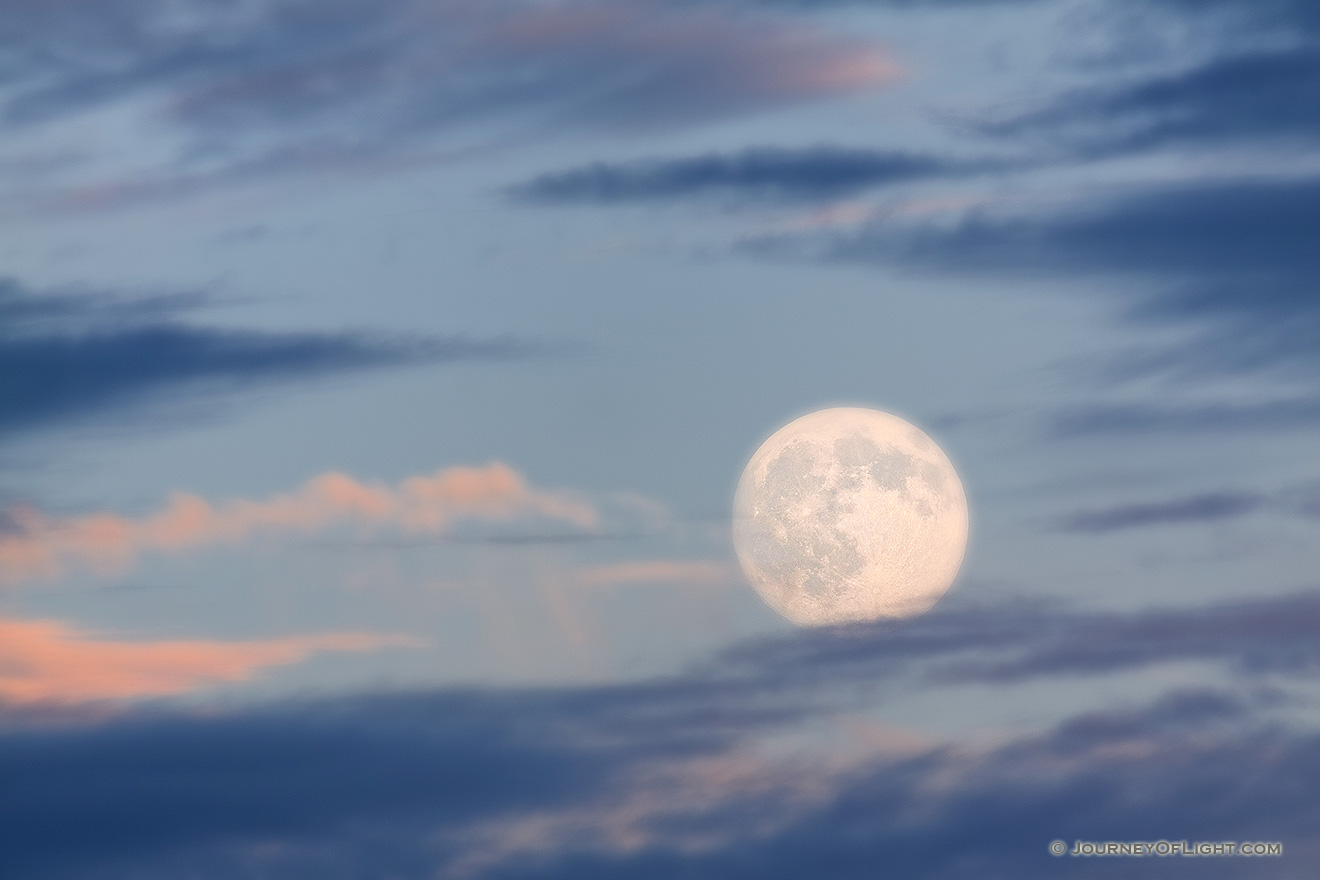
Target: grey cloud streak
{"x": 756, "y": 174}
{"x": 1194, "y": 509}
{"x": 1021, "y": 641}
{"x": 1141, "y": 419}
{"x": 1209, "y": 507}
{"x": 72, "y": 355}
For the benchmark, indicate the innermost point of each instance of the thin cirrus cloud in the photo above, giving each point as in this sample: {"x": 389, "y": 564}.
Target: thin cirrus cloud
{"x": 758, "y": 174}
{"x": 35, "y": 545}
{"x": 48, "y": 661}
{"x": 1014, "y": 642}
{"x": 665, "y": 777}
{"x": 281, "y": 84}
{"x": 1143, "y": 419}
{"x": 1230, "y": 260}
{"x": 1249, "y": 86}
{"x": 1210, "y": 507}
{"x": 1264, "y": 95}
{"x": 1229, "y": 257}
{"x": 1300, "y": 500}
{"x": 73, "y": 355}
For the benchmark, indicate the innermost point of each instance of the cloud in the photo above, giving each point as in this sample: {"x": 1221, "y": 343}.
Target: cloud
{"x": 1195, "y": 509}
{"x": 948, "y": 814}
{"x": 1231, "y": 260}
{"x": 1251, "y": 96}
{"x": 71, "y": 355}
{"x": 759, "y": 174}
{"x": 1254, "y": 229}
{"x": 1252, "y": 71}
{"x": 1137, "y": 419}
{"x": 1301, "y": 500}
{"x": 206, "y": 794}
{"x": 667, "y": 777}
{"x": 47, "y": 661}
{"x": 1020, "y": 641}
{"x": 274, "y": 85}
{"x": 37, "y": 545}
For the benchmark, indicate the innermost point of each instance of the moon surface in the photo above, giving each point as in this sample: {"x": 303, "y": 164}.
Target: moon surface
{"x": 849, "y": 514}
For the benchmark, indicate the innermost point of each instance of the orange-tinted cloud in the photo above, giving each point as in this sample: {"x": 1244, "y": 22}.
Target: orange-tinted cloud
{"x": 36, "y": 545}
{"x": 47, "y": 661}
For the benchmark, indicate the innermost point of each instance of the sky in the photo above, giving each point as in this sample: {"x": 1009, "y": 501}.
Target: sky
{"x": 375, "y": 378}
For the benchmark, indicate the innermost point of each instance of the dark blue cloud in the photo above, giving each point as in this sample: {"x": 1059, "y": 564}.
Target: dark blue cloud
{"x": 1195, "y": 509}
{"x": 764, "y": 173}
{"x": 1136, "y": 419}
{"x": 1239, "y": 230}
{"x": 1299, "y": 15}
{"x": 1014, "y": 642}
{"x": 71, "y": 355}
{"x": 108, "y": 800}
{"x": 1302, "y": 500}
{"x": 1119, "y": 776}
{"x": 1242, "y": 97}
{"x": 1254, "y": 80}
{"x": 418, "y": 785}
{"x": 1234, "y": 260}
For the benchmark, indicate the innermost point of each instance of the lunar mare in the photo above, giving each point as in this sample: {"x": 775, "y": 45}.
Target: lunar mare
{"x": 849, "y": 514}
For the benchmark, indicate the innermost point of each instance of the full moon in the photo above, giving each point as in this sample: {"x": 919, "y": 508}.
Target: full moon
{"x": 847, "y": 515}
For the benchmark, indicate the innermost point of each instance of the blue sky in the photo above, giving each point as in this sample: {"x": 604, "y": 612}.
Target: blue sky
{"x": 375, "y": 378}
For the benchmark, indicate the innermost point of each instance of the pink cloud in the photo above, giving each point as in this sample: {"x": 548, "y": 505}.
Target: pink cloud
{"x": 691, "y": 55}
{"x": 47, "y": 661}
{"x": 38, "y": 545}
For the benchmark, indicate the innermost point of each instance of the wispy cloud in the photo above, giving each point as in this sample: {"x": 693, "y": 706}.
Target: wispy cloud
{"x": 67, "y": 355}
{"x": 1137, "y": 419}
{"x": 48, "y": 661}
{"x": 1254, "y": 67}
{"x": 1210, "y": 507}
{"x": 665, "y": 777}
{"x": 34, "y": 544}
{"x": 1230, "y": 260}
{"x": 282, "y": 84}
{"x": 1019, "y": 641}
{"x": 759, "y": 174}
{"x": 1256, "y": 96}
